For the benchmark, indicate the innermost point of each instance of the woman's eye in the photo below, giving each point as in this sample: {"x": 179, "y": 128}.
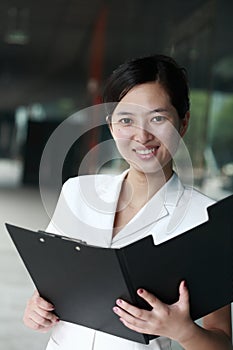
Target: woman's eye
{"x": 158, "y": 119}
{"x": 126, "y": 121}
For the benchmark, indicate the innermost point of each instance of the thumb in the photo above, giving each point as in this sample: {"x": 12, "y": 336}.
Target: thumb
{"x": 184, "y": 295}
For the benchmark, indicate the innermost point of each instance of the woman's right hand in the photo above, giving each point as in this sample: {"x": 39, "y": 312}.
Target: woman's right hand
{"x": 39, "y": 314}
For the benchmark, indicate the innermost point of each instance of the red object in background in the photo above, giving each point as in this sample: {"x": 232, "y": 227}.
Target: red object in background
{"x": 97, "y": 49}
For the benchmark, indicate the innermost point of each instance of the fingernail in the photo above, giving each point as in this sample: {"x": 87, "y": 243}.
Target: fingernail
{"x": 185, "y": 284}
{"x": 57, "y": 320}
{"x": 140, "y": 291}
{"x": 119, "y": 301}
{"x": 115, "y": 309}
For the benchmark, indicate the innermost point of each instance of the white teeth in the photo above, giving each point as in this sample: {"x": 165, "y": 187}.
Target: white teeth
{"x": 145, "y": 151}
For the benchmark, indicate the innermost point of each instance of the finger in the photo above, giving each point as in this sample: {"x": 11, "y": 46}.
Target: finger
{"x": 151, "y": 299}
{"x": 184, "y": 295}
{"x": 42, "y": 303}
{"x": 37, "y": 327}
{"x": 48, "y": 315}
{"x": 40, "y": 320}
{"x": 35, "y": 313}
{"x": 128, "y": 317}
{"x": 32, "y": 314}
{"x": 132, "y": 310}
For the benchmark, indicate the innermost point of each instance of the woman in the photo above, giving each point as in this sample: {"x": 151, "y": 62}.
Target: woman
{"x": 149, "y": 117}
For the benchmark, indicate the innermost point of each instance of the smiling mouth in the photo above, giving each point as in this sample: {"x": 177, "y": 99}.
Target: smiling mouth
{"x": 146, "y": 151}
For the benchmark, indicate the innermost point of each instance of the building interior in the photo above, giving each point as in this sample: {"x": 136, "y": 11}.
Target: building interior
{"x": 55, "y": 57}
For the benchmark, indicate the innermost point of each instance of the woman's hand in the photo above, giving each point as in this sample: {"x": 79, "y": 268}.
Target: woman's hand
{"x": 39, "y": 314}
{"x": 172, "y": 321}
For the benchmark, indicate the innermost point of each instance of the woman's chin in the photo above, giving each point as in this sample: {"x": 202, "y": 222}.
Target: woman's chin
{"x": 151, "y": 167}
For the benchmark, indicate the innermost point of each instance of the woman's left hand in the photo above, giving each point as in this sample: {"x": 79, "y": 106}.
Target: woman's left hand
{"x": 172, "y": 321}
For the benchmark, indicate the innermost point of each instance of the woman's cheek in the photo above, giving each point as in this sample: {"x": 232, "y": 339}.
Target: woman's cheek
{"x": 122, "y": 144}
{"x": 119, "y": 133}
{"x": 169, "y": 137}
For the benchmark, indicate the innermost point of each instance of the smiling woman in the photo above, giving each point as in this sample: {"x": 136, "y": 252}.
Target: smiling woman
{"x": 148, "y": 117}
{"x": 147, "y": 133}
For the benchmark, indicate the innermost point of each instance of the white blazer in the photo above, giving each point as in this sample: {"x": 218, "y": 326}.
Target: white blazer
{"x": 86, "y": 210}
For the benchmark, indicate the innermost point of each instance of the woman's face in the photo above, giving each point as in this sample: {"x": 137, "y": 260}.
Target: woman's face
{"x": 146, "y": 128}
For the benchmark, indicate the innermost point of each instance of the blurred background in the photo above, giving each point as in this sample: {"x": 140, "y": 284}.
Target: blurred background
{"x": 54, "y": 58}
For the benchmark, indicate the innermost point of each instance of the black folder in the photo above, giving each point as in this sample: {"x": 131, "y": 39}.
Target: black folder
{"x": 83, "y": 282}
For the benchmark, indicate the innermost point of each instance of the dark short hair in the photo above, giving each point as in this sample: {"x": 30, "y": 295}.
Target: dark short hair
{"x": 157, "y": 68}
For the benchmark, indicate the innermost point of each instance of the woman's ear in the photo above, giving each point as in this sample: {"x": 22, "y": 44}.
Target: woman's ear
{"x": 184, "y": 124}
{"x": 109, "y": 122}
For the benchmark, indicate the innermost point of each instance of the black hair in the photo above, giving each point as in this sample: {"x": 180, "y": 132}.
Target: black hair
{"x": 157, "y": 68}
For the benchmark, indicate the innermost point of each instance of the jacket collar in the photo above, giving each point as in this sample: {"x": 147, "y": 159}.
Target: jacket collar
{"x": 158, "y": 207}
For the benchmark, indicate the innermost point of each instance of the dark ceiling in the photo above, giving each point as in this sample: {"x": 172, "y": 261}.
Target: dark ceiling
{"x": 50, "y": 49}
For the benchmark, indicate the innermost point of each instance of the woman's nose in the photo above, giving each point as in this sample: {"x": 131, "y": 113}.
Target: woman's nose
{"x": 142, "y": 135}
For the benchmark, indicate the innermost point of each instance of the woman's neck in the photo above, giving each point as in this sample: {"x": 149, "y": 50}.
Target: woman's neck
{"x": 139, "y": 188}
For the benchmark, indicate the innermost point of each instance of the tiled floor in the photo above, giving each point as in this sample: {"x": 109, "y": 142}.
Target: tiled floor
{"x": 21, "y": 207}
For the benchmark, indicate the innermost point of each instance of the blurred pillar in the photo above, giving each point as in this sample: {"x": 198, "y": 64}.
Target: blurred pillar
{"x": 97, "y": 51}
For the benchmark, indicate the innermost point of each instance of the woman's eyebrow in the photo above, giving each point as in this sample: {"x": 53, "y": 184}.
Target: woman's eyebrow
{"x": 124, "y": 113}
{"x": 158, "y": 110}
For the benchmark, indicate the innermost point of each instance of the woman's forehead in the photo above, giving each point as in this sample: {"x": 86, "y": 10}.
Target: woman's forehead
{"x": 128, "y": 109}
{"x": 146, "y": 95}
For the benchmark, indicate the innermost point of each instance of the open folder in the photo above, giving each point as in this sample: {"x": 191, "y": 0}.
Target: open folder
{"x": 83, "y": 282}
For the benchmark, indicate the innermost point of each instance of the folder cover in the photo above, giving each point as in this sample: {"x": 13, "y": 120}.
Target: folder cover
{"x": 83, "y": 282}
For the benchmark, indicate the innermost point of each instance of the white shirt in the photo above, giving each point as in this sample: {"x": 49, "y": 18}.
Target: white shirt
{"x": 86, "y": 210}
